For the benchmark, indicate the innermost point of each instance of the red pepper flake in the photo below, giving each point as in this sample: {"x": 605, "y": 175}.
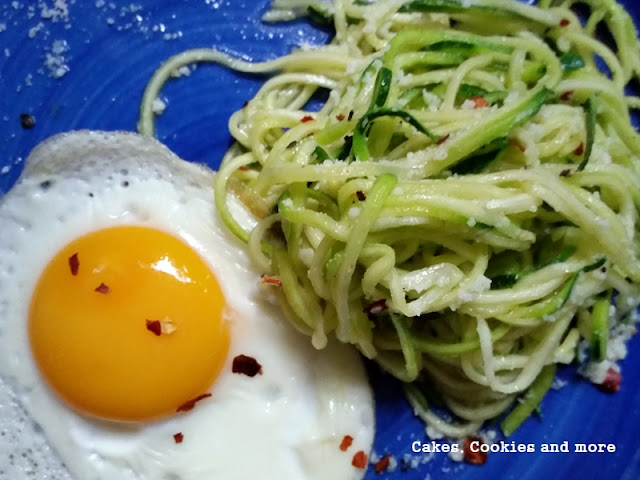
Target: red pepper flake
{"x": 306, "y": 118}
{"x": 611, "y": 382}
{"x": 246, "y": 365}
{"x": 243, "y": 168}
{"x": 188, "y": 405}
{"x": 566, "y": 95}
{"x": 74, "y": 264}
{"x": 160, "y": 327}
{"x": 361, "y": 195}
{"x": 178, "y": 437}
{"x": 382, "y": 464}
{"x": 359, "y": 460}
{"x": 347, "y": 440}
{"x": 441, "y": 140}
{"x": 269, "y": 280}
{"x": 480, "y": 102}
{"x": 103, "y": 288}
{"x": 154, "y": 327}
{"x": 564, "y": 22}
{"x": 579, "y": 150}
{"x": 518, "y": 145}
{"x": 475, "y": 456}
{"x": 340, "y": 117}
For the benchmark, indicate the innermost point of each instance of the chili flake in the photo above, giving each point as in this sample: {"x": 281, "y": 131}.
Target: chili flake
{"x": 361, "y": 195}
{"x": 359, "y": 460}
{"x": 566, "y": 95}
{"x": 269, "y": 280}
{"x": 178, "y": 437}
{"x": 188, "y": 405}
{"x": 306, "y": 118}
{"x": 161, "y": 327}
{"x": 579, "y": 149}
{"x": 611, "y": 382}
{"x": 103, "y": 288}
{"x": 154, "y": 327}
{"x": 340, "y": 117}
{"x": 246, "y": 365}
{"x": 347, "y": 440}
{"x": 480, "y": 102}
{"x": 382, "y": 464}
{"x": 473, "y": 457}
{"x": 74, "y": 264}
{"x": 564, "y": 22}
{"x": 441, "y": 140}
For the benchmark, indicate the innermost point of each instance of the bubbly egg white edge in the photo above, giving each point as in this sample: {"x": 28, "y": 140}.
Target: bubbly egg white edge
{"x": 306, "y": 400}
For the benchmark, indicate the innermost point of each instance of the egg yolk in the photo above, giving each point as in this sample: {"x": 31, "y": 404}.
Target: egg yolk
{"x": 128, "y": 323}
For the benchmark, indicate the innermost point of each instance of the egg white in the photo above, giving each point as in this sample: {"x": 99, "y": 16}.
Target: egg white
{"x": 284, "y": 424}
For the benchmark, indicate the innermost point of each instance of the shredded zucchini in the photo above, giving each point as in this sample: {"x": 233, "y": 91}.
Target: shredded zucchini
{"x": 470, "y": 186}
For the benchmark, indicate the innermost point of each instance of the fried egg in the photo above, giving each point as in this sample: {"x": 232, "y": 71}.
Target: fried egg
{"x": 136, "y": 341}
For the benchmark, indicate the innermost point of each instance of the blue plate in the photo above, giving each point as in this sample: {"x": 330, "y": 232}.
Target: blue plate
{"x": 87, "y": 68}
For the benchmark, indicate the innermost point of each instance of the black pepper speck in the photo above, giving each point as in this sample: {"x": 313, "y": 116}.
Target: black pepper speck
{"x": 27, "y": 121}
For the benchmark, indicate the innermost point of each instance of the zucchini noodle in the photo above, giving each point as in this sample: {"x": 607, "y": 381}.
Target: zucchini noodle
{"x": 452, "y": 186}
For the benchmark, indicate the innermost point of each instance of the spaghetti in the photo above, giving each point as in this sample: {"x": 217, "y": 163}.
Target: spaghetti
{"x": 464, "y": 201}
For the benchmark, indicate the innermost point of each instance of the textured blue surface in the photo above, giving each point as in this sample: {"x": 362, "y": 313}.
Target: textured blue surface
{"x": 112, "y": 51}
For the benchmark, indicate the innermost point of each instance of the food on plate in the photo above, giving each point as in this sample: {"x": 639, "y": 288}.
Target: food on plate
{"x": 450, "y": 186}
{"x": 134, "y": 334}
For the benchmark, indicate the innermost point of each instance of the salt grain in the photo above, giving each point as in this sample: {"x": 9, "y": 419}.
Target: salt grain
{"x": 55, "y": 60}
{"x": 558, "y": 384}
{"x": 457, "y": 455}
{"x": 468, "y": 105}
{"x": 433, "y": 434}
{"x": 58, "y": 12}
{"x": 159, "y": 106}
{"x": 33, "y": 31}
